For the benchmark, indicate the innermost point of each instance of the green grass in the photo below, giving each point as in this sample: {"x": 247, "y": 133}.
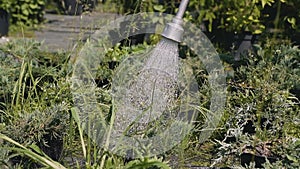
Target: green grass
{"x": 21, "y": 31}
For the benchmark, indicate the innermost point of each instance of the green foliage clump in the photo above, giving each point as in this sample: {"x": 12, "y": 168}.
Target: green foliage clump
{"x": 34, "y": 98}
{"x": 37, "y": 126}
{"x": 263, "y": 109}
{"x": 27, "y": 12}
{"x": 61, "y": 6}
{"x": 263, "y": 17}
{"x": 36, "y": 110}
{"x": 5, "y": 5}
{"x": 255, "y": 16}
{"x": 261, "y": 118}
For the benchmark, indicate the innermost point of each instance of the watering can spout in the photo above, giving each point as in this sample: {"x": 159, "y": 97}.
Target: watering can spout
{"x": 174, "y": 30}
{"x": 182, "y": 8}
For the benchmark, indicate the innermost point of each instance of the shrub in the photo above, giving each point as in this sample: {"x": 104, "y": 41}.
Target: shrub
{"x": 34, "y": 98}
{"x": 27, "y": 12}
{"x": 264, "y": 113}
{"x": 5, "y": 5}
{"x": 74, "y": 7}
{"x": 261, "y": 119}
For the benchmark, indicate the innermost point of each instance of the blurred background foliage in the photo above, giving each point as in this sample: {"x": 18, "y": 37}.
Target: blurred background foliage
{"x": 272, "y": 17}
{"x": 225, "y": 19}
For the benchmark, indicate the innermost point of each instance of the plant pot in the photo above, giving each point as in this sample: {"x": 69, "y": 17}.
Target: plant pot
{"x": 4, "y": 23}
{"x": 244, "y": 43}
{"x": 73, "y": 7}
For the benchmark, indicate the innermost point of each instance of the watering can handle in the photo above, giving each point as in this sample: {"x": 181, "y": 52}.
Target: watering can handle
{"x": 182, "y": 8}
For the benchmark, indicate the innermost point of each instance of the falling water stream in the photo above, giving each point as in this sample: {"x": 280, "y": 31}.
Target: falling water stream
{"x": 153, "y": 90}
{"x": 155, "y": 96}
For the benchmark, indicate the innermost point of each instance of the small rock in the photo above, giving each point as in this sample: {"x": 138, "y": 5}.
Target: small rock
{"x": 4, "y": 40}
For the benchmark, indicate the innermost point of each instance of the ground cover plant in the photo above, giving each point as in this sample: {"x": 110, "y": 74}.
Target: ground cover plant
{"x": 36, "y": 100}
{"x": 40, "y": 127}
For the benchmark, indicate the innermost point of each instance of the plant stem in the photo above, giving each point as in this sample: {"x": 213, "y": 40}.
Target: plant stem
{"x": 106, "y": 145}
{"x": 276, "y": 21}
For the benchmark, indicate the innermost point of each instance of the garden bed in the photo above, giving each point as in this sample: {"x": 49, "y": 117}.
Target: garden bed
{"x": 260, "y": 128}
{"x": 36, "y": 110}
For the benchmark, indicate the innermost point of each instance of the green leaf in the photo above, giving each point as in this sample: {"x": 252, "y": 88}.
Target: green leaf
{"x": 22, "y": 149}
{"x": 25, "y": 12}
{"x": 33, "y": 6}
{"x": 292, "y": 21}
{"x": 158, "y": 7}
{"x": 74, "y": 112}
{"x": 263, "y": 3}
{"x": 292, "y": 158}
{"x": 36, "y": 149}
{"x": 266, "y": 2}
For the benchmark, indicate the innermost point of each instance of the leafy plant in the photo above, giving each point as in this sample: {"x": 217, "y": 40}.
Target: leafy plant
{"x": 36, "y": 109}
{"x": 147, "y": 163}
{"x": 5, "y": 5}
{"x": 36, "y": 115}
{"x": 130, "y": 7}
{"x": 86, "y": 5}
{"x": 34, "y": 153}
{"x": 262, "y": 107}
{"x": 31, "y": 82}
{"x": 27, "y": 12}
{"x": 232, "y": 15}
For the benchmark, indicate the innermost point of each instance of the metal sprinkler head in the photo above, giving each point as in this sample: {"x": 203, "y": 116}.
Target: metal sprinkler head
{"x": 174, "y": 30}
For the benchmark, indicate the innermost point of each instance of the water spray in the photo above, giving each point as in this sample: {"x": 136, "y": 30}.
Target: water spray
{"x": 154, "y": 91}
